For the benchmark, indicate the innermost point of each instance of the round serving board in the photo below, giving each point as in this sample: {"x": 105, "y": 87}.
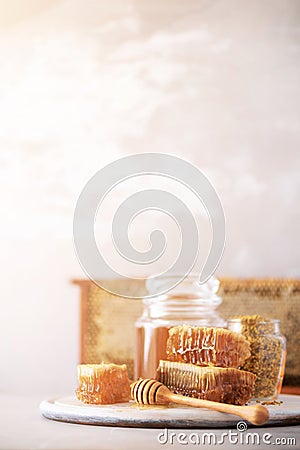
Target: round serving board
{"x": 69, "y": 409}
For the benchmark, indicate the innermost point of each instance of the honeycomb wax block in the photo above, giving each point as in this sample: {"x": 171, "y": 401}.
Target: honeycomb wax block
{"x": 207, "y": 346}
{"x": 103, "y": 383}
{"x": 218, "y": 384}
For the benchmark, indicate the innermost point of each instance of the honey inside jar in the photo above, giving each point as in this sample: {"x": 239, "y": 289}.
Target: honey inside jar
{"x": 187, "y": 303}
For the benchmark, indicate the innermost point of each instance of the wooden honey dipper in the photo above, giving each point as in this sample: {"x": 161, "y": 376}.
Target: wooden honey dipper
{"x": 151, "y": 392}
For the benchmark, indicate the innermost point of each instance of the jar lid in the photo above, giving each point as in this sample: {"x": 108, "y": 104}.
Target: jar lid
{"x": 176, "y": 284}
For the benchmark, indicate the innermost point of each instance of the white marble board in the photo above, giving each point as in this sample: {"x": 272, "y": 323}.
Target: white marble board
{"x": 69, "y": 409}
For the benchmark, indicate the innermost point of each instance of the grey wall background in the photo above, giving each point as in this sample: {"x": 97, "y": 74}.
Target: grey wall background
{"x": 85, "y": 82}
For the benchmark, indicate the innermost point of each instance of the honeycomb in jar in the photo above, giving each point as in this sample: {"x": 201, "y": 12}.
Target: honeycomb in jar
{"x": 207, "y": 346}
{"x": 103, "y": 383}
{"x": 218, "y": 384}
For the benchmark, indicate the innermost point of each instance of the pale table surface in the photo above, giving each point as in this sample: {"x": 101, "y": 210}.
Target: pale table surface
{"x": 23, "y": 428}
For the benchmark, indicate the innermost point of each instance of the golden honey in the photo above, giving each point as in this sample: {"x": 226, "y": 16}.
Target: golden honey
{"x": 187, "y": 303}
{"x": 218, "y": 384}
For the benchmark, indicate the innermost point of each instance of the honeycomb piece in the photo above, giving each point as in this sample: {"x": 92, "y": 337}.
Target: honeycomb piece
{"x": 225, "y": 385}
{"x": 207, "y": 346}
{"x": 103, "y": 383}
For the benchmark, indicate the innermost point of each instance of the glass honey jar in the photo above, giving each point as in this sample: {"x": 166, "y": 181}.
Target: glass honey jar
{"x": 268, "y": 353}
{"x": 189, "y": 302}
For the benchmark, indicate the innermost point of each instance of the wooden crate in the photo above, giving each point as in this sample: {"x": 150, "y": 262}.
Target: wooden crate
{"x": 107, "y": 321}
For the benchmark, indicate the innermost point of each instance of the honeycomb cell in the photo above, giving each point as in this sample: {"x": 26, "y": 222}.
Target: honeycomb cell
{"x": 207, "y": 346}
{"x": 218, "y": 384}
{"x": 103, "y": 383}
